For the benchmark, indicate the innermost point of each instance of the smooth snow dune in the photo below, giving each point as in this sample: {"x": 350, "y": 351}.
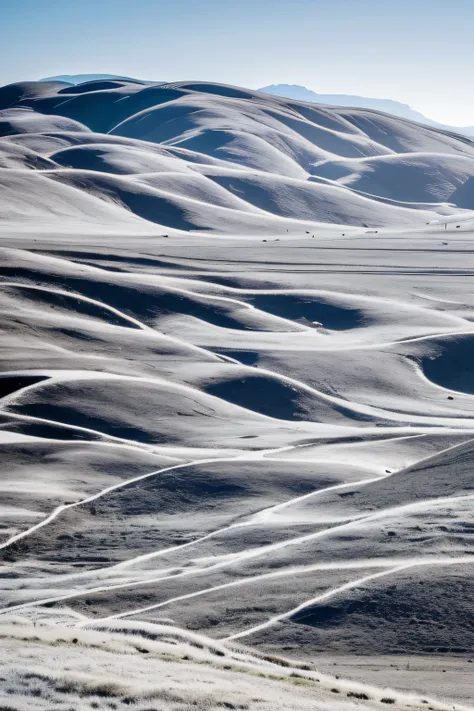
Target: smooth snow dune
{"x": 271, "y": 155}
{"x": 12, "y": 94}
{"x": 119, "y": 159}
{"x": 195, "y": 122}
{"x": 176, "y": 208}
{"x": 408, "y": 177}
{"x": 43, "y": 474}
{"x": 22, "y": 120}
{"x": 104, "y": 109}
{"x": 403, "y": 136}
{"x": 167, "y": 407}
{"x": 118, "y": 154}
{"x": 196, "y": 186}
{"x": 236, "y": 401}
{"x": 311, "y": 201}
{"x": 33, "y": 198}
{"x": 94, "y": 85}
{"x": 411, "y": 607}
{"x": 18, "y": 156}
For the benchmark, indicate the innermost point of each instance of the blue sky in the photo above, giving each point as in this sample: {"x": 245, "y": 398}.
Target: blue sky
{"x": 420, "y": 52}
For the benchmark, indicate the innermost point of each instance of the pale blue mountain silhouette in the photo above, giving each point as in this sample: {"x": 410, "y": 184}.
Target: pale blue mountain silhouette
{"x": 301, "y": 93}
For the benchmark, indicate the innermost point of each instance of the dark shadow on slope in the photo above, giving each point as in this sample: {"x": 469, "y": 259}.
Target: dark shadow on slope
{"x": 210, "y": 143}
{"x": 44, "y": 430}
{"x": 244, "y": 357}
{"x": 12, "y": 383}
{"x": 102, "y": 110}
{"x": 14, "y": 122}
{"x": 90, "y": 86}
{"x": 159, "y": 123}
{"x": 73, "y": 305}
{"x": 299, "y": 199}
{"x": 322, "y": 117}
{"x": 453, "y": 368}
{"x": 11, "y": 94}
{"x": 88, "y": 159}
{"x": 13, "y": 156}
{"x": 106, "y": 261}
{"x": 223, "y": 491}
{"x": 147, "y": 304}
{"x": 345, "y": 145}
{"x": 428, "y": 614}
{"x": 464, "y": 195}
{"x": 264, "y": 395}
{"x": 73, "y": 416}
{"x": 300, "y": 306}
{"x": 140, "y": 199}
{"x": 272, "y": 397}
{"x": 231, "y": 92}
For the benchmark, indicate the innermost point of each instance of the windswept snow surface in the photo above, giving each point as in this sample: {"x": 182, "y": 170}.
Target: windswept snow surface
{"x": 236, "y": 394}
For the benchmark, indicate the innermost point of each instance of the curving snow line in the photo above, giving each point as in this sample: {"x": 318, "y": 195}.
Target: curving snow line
{"x": 352, "y": 565}
{"x": 262, "y": 550}
{"x": 249, "y": 522}
{"x": 77, "y": 428}
{"x": 342, "y": 588}
{"x": 232, "y": 558}
{"x": 139, "y": 325}
{"x": 370, "y": 410}
{"x": 245, "y": 457}
{"x": 120, "y": 485}
{"x": 243, "y": 524}
{"x": 64, "y": 507}
{"x": 154, "y": 554}
{"x": 338, "y": 401}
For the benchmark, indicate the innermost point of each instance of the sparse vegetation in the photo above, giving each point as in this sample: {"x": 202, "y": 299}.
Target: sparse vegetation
{"x": 276, "y": 660}
{"x": 358, "y": 695}
{"x": 99, "y": 691}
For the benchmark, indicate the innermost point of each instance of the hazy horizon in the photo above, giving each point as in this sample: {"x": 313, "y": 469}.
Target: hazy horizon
{"x": 395, "y": 51}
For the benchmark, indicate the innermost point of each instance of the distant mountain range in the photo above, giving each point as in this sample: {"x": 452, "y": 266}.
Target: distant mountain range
{"x": 301, "y": 93}
{"x": 82, "y": 78}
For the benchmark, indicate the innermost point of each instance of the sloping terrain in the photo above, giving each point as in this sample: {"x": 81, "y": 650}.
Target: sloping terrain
{"x": 236, "y": 391}
{"x": 123, "y": 665}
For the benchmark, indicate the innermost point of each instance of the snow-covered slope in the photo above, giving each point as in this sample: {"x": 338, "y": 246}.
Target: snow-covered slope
{"x": 236, "y": 396}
